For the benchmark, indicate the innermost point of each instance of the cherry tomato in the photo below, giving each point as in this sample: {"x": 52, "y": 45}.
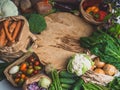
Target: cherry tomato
{"x": 30, "y": 66}
{"x": 17, "y": 80}
{"x": 18, "y": 75}
{"x": 37, "y": 63}
{"x": 23, "y": 76}
{"x": 35, "y": 71}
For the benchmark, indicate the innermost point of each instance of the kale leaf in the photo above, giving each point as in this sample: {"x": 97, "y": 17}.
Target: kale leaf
{"x": 104, "y": 46}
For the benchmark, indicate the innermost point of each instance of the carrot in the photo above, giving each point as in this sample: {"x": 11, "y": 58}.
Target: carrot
{"x": 17, "y": 29}
{"x": 6, "y": 24}
{"x": 12, "y": 27}
{"x": 3, "y": 40}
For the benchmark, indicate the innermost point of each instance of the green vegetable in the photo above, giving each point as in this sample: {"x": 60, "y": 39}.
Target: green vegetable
{"x": 115, "y": 84}
{"x": 67, "y": 80}
{"x": 2, "y": 68}
{"x": 92, "y": 86}
{"x": 7, "y": 8}
{"x": 44, "y": 82}
{"x": 65, "y": 74}
{"x": 56, "y": 81}
{"x": 36, "y": 22}
{"x": 78, "y": 84}
{"x": 66, "y": 86}
{"x": 79, "y": 64}
{"x": 51, "y": 87}
{"x": 104, "y": 46}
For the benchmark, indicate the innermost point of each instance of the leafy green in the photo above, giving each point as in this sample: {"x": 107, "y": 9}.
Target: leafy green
{"x": 115, "y": 84}
{"x": 2, "y": 68}
{"x": 92, "y": 86}
{"x": 104, "y": 46}
{"x": 36, "y": 22}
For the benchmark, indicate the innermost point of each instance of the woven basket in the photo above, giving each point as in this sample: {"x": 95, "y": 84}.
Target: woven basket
{"x": 89, "y": 17}
{"x": 33, "y": 79}
{"x": 17, "y": 62}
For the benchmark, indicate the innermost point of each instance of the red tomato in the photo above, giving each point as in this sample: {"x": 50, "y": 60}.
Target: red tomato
{"x": 37, "y": 63}
{"x": 35, "y": 71}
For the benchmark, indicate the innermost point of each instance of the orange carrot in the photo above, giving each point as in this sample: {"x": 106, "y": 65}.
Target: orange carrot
{"x": 2, "y": 38}
{"x": 6, "y": 24}
{"x": 12, "y": 27}
{"x": 17, "y": 29}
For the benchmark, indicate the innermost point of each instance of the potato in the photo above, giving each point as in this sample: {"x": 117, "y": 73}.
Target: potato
{"x": 99, "y": 71}
{"x": 109, "y": 69}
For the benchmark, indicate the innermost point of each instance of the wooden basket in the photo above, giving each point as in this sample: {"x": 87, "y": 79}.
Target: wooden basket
{"x": 17, "y": 62}
{"x": 87, "y": 16}
{"x": 33, "y": 79}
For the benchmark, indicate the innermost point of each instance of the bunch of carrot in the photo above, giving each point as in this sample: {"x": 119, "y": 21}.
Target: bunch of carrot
{"x": 9, "y": 30}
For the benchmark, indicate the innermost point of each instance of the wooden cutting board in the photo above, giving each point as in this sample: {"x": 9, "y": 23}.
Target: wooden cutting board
{"x": 60, "y": 40}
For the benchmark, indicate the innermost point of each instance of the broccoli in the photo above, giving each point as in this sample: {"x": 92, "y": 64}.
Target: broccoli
{"x": 36, "y": 22}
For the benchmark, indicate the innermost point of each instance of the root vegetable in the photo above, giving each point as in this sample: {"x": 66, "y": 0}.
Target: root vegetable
{"x": 109, "y": 69}
{"x": 12, "y": 27}
{"x": 14, "y": 70}
{"x": 17, "y": 29}
{"x": 99, "y": 71}
{"x": 98, "y": 63}
{"x": 43, "y": 7}
{"x": 6, "y": 24}
{"x": 3, "y": 39}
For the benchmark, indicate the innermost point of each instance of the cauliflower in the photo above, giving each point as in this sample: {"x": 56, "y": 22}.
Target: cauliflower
{"x": 7, "y": 8}
{"x": 79, "y": 64}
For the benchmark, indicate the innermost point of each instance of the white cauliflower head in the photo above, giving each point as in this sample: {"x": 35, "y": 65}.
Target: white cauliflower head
{"x": 79, "y": 64}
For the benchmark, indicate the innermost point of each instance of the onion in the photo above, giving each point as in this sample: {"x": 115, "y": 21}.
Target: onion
{"x": 99, "y": 71}
{"x": 98, "y": 63}
{"x": 109, "y": 69}
{"x": 43, "y": 7}
{"x": 14, "y": 70}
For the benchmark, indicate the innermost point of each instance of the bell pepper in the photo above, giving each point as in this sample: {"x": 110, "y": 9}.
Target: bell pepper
{"x": 102, "y": 15}
{"x": 93, "y": 9}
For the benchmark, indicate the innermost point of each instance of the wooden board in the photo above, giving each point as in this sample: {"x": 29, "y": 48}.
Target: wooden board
{"x": 60, "y": 40}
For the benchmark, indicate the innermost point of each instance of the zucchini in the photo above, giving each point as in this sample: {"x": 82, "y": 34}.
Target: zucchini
{"x": 67, "y": 80}
{"x": 78, "y": 84}
{"x": 66, "y": 86}
{"x": 65, "y": 74}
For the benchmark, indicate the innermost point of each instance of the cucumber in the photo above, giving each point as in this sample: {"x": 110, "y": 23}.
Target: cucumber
{"x": 65, "y": 74}
{"x": 67, "y": 80}
{"x": 66, "y": 86}
{"x": 78, "y": 84}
